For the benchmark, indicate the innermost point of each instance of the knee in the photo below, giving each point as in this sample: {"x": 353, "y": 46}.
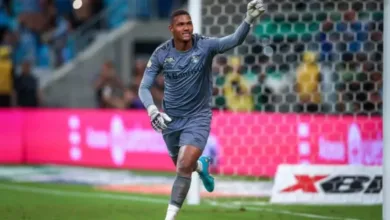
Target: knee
{"x": 184, "y": 168}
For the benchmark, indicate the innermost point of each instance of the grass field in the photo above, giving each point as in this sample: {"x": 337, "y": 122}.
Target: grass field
{"x": 44, "y": 201}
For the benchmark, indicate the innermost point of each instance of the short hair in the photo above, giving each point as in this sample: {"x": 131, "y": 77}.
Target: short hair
{"x": 178, "y": 13}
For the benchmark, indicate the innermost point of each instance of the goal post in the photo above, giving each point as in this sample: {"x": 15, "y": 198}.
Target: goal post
{"x": 386, "y": 113}
{"x": 195, "y": 10}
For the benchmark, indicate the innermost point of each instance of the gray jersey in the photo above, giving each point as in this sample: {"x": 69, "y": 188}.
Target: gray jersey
{"x": 187, "y": 75}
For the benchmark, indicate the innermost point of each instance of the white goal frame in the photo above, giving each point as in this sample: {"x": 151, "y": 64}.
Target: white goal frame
{"x": 195, "y": 10}
{"x": 386, "y": 113}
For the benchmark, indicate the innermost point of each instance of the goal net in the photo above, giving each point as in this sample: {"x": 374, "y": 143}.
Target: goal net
{"x": 304, "y": 88}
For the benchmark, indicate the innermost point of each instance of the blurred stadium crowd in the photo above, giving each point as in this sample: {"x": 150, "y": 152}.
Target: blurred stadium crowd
{"x": 38, "y": 34}
{"x": 112, "y": 93}
{"x": 318, "y": 57}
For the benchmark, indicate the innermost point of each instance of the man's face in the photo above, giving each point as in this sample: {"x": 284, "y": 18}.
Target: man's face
{"x": 181, "y": 28}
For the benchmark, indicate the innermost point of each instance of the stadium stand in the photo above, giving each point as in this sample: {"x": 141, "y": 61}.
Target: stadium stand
{"x": 40, "y": 29}
{"x": 51, "y": 33}
{"x": 43, "y": 28}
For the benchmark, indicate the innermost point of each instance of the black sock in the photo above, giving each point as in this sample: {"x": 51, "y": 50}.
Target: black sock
{"x": 179, "y": 190}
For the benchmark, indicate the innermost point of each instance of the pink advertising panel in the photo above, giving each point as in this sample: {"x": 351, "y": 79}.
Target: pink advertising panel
{"x": 239, "y": 143}
{"x": 95, "y": 138}
{"x": 11, "y": 132}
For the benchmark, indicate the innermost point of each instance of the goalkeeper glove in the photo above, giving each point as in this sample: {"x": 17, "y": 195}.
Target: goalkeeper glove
{"x": 255, "y": 8}
{"x": 159, "y": 120}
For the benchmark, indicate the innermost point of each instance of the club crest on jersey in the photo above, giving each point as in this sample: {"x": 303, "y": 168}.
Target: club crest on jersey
{"x": 169, "y": 60}
{"x": 195, "y": 59}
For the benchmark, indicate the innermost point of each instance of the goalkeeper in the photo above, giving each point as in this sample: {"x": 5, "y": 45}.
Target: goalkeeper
{"x": 185, "y": 61}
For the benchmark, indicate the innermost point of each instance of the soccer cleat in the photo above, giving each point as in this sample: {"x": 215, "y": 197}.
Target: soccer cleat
{"x": 207, "y": 179}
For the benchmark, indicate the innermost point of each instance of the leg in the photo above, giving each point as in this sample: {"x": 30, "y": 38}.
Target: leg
{"x": 195, "y": 168}
{"x": 185, "y": 163}
{"x": 172, "y": 141}
{"x": 197, "y": 134}
{"x": 193, "y": 139}
{"x": 187, "y": 160}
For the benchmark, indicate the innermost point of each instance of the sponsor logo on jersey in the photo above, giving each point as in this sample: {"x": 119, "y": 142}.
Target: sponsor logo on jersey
{"x": 180, "y": 75}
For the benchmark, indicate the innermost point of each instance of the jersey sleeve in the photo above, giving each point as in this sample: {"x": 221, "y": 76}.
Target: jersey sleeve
{"x": 223, "y": 44}
{"x": 152, "y": 69}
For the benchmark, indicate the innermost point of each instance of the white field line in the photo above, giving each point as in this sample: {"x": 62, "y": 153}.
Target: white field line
{"x": 77, "y": 194}
{"x": 279, "y": 211}
{"x": 57, "y": 192}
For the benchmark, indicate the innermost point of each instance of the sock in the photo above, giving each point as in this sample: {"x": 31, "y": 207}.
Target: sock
{"x": 199, "y": 167}
{"x": 179, "y": 190}
{"x": 172, "y": 212}
{"x": 178, "y": 195}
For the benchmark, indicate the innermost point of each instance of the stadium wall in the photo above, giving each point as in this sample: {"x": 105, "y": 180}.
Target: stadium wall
{"x": 250, "y": 144}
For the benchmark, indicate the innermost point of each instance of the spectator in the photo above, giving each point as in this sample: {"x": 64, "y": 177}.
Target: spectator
{"x": 139, "y": 69}
{"x": 131, "y": 98}
{"x": 109, "y": 88}
{"x": 6, "y": 77}
{"x": 236, "y": 89}
{"x": 308, "y": 77}
{"x": 27, "y": 87}
{"x": 26, "y": 47}
{"x": 56, "y": 37}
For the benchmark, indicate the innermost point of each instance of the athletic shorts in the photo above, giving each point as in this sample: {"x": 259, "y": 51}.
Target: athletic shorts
{"x": 187, "y": 131}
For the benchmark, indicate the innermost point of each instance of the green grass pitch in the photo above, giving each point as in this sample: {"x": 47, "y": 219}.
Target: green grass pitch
{"x": 40, "y": 201}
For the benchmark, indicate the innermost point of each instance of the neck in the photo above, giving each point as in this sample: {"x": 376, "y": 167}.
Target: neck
{"x": 182, "y": 46}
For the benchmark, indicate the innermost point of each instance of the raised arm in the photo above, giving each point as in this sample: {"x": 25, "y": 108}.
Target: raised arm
{"x": 221, "y": 45}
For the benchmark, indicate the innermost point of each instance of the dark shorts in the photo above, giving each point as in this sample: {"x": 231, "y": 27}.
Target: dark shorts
{"x": 187, "y": 131}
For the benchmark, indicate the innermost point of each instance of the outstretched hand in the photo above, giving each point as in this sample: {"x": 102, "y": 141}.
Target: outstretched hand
{"x": 255, "y": 8}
